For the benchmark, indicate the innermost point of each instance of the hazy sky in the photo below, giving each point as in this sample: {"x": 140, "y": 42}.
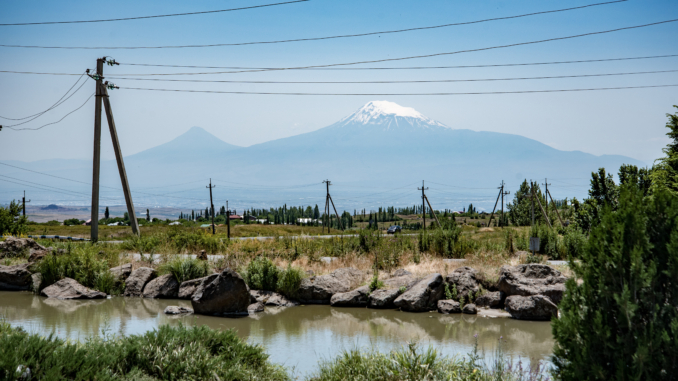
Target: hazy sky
{"x": 626, "y": 122}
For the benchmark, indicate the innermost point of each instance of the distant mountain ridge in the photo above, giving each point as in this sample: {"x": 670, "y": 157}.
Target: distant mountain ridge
{"x": 367, "y": 155}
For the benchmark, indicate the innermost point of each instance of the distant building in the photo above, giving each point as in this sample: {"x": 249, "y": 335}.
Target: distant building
{"x": 175, "y": 223}
{"x": 235, "y": 217}
{"x": 306, "y": 220}
{"x": 88, "y": 222}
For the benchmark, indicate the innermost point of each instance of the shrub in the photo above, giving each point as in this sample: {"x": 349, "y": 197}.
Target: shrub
{"x": 289, "y": 281}
{"x": 194, "y": 241}
{"x": 11, "y": 220}
{"x": 441, "y": 241}
{"x": 261, "y": 274}
{"x": 574, "y": 241}
{"x": 73, "y": 221}
{"x": 168, "y": 353}
{"x": 369, "y": 239}
{"x": 621, "y": 322}
{"x": 185, "y": 268}
{"x": 375, "y": 283}
{"x": 141, "y": 244}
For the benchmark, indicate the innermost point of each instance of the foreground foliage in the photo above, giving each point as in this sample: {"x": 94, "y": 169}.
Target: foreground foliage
{"x": 413, "y": 364}
{"x": 621, "y": 323}
{"x": 169, "y": 353}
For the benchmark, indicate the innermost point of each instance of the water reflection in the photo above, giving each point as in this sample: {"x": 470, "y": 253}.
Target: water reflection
{"x": 296, "y": 337}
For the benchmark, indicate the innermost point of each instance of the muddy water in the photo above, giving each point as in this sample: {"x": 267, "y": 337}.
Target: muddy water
{"x": 296, "y": 337}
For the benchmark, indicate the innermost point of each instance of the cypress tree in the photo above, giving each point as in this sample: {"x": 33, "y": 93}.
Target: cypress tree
{"x": 148, "y": 216}
{"x": 106, "y": 214}
{"x": 621, "y": 321}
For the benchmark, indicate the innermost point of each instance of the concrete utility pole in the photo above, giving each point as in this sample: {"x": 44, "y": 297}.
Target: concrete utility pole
{"x": 555, "y": 206}
{"x": 423, "y": 202}
{"x": 121, "y": 164}
{"x": 212, "y": 204}
{"x": 329, "y": 200}
{"x": 96, "y": 161}
{"x": 102, "y": 97}
{"x": 503, "y": 193}
{"x": 546, "y": 192}
{"x": 23, "y": 201}
{"x": 532, "y": 200}
{"x": 228, "y": 221}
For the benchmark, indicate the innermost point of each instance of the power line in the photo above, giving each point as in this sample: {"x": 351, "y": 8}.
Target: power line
{"x": 369, "y": 68}
{"x": 310, "y": 38}
{"x": 154, "y": 16}
{"x": 48, "y": 124}
{"x": 397, "y": 82}
{"x": 56, "y": 104}
{"x": 411, "y": 94}
{"x": 347, "y": 68}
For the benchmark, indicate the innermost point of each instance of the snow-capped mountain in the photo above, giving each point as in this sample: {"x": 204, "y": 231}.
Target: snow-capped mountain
{"x": 389, "y": 115}
{"x": 381, "y": 146}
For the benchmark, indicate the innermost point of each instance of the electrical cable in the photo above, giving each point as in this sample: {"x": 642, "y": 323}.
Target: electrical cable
{"x": 398, "y": 82}
{"x": 48, "y": 124}
{"x": 408, "y": 94}
{"x": 154, "y": 16}
{"x": 56, "y": 104}
{"x": 313, "y": 38}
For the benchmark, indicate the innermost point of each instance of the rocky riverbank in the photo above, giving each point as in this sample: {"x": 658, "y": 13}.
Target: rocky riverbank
{"x": 527, "y": 291}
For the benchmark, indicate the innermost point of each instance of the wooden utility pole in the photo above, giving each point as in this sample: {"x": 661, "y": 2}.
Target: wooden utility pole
{"x": 432, "y": 211}
{"x": 212, "y": 204}
{"x": 23, "y": 201}
{"x": 556, "y": 207}
{"x": 503, "y": 193}
{"x": 501, "y": 189}
{"x": 423, "y": 202}
{"x": 121, "y": 164}
{"x": 96, "y": 160}
{"x": 532, "y": 200}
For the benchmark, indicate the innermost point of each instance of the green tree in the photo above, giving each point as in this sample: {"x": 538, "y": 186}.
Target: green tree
{"x": 520, "y": 209}
{"x": 148, "y": 215}
{"x": 125, "y": 216}
{"x": 11, "y": 220}
{"x": 621, "y": 321}
{"x": 632, "y": 175}
{"x": 106, "y": 213}
{"x": 665, "y": 170}
{"x": 603, "y": 193}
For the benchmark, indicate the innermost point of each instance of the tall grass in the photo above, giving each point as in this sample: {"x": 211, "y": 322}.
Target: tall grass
{"x": 262, "y": 274}
{"x": 185, "y": 268}
{"x": 87, "y": 264}
{"x": 168, "y": 353}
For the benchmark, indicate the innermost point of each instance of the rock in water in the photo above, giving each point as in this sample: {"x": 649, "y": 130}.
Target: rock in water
{"x": 532, "y": 279}
{"x": 134, "y": 285}
{"x": 270, "y": 298}
{"x": 187, "y": 288}
{"x": 535, "y": 307}
{"x": 466, "y": 281}
{"x": 355, "y": 298}
{"x": 176, "y": 310}
{"x": 449, "y": 306}
{"x": 165, "y": 286}
{"x": 491, "y": 299}
{"x": 68, "y": 288}
{"x": 319, "y": 289}
{"x": 15, "y": 278}
{"x": 470, "y": 309}
{"x": 423, "y": 296}
{"x": 383, "y": 298}
{"x": 122, "y": 272}
{"x": 255, "y": 307}
{"x": 221, "y": 294}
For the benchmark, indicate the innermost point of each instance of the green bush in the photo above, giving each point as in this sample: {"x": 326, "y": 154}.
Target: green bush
{"x": 185, "y": 268}
{"x": 369, "y": 239}
{"x": 73, "y": 221}
{"x": 194, "y": 241}
{"x": 574, "y": 241}
{"x": 441, "y": 241}
{"x": 168, "y": 353}
{"x": 11, "y": 220}
{"x": 142, "y": 244}
{"x": 82, "y": 263}
{"x": 550, "y": 242}
{"x": 289, "y": 281}
{"x": 621, "y": 322}
{"x": 261, "y": 274}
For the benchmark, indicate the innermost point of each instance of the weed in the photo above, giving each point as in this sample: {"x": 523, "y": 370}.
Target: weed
{"x": 261, "y": 274}
{"x": 289, "y": 281}
{"x": 185, "y": 268}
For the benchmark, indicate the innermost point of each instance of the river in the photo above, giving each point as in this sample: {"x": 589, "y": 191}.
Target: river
{"x": 296, "y": 337}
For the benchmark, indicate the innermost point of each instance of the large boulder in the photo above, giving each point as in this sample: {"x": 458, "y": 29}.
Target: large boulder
{"x": 383, "y": 298}
{"x": 122, "y": 272}
{"x": 15, "y": 278}
{"x": 423, "y": 296}
{"x": 469, "y": 309}
{"x": 534, "y": 307}
{"x": 221, "y": 294}
{"x": 356, "y": 298}
{"x": 319, "y": 289}
{"x": 449, "y": 306}
{"x": 465, "y": 279}
{"x": 17, "y": 247}
{"x": 490, "y": 299}
{"x": 255, "y": 307}
{"x": 187, "y": 288}
{"x": 134, "y": 285}
{"x": 270, "y": 298}
{"x": 68, "y": 288}
{"x": 177, "y": 310}
{"x": 165, "y": 286}
{"x": 532, "y": 279}
{"x": 39, "y": 254}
